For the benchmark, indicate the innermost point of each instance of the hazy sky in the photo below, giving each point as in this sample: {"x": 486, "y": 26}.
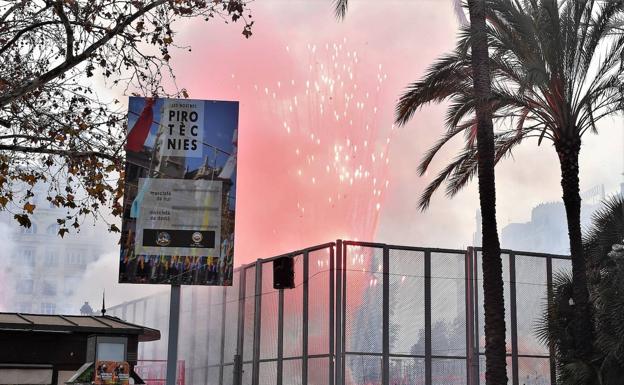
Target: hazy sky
{"x": 290, "y": 193}
{"x": 404, "y": 37}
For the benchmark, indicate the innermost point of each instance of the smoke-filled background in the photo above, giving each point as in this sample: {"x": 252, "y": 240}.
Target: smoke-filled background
{"x": 319, "y": 157}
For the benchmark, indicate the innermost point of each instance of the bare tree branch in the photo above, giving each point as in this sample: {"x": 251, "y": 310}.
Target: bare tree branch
{"x": 58, "y": 7}
{"x": 55, "y": 128}
{"x": 51, "y": 151}
{"x": 73, "y": 61}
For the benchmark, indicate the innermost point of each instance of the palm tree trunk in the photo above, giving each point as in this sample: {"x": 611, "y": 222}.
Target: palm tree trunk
{"x": 495, "y": 354}
{"x": 568, "y": 150}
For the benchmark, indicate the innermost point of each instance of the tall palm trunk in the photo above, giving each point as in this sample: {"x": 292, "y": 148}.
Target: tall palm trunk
{"x": 495, "y": 373}
{"x": 568, "y": 150}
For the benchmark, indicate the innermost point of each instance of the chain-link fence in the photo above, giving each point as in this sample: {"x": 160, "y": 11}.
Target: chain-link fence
{"x": 360, "y": 314}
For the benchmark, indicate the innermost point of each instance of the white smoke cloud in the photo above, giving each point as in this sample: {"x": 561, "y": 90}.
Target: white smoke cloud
{"x": 7, "y": 282}
{"x": 100, "y": 277}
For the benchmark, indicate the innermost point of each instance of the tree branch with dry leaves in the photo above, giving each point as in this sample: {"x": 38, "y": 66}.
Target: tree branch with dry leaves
{"x": 55, "y": 127}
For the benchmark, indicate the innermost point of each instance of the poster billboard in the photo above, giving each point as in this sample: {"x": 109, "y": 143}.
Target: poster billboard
{"x": 179, "y": 193}
{"x": 112, "y": 373}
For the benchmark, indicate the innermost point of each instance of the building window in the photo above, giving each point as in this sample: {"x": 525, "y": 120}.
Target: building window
{"x": 48, "y": 308}
{"x": 53, "y": 229}
{"x": 25, "y": 286}
{"x": 24, "y": 307}
{"x": 71, "y": 283}
{"x": 26, "y": 257}
{"x": 49, "y": 288}
{"x": 51, "y": 258}
{"x": 28, "y": 230}
{"x": 75, "y": 258}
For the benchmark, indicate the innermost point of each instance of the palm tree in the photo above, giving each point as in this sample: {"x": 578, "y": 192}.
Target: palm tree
{"x": 492, "y": 265}
{"x": 480, "y": 94}
{"x": 603, "y": 247}
{"x": 556, "y": 71}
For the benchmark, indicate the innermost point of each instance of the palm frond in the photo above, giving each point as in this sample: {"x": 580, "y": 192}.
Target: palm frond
{"x": 458, "y": 7}
{"x": 556, "y": 71}
{"x": 340, "y": 8}
{"x": 503, "y": 145}
{"x": 448, "y": 76}
{"x": 465, "y": 166}
{"x": 425, "y": 198}
{"x": 431, "y": 153}
{"x": 607, "y": 229}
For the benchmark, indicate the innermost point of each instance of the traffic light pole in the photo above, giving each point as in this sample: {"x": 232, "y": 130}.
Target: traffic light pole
{"x": 172, "y": 343}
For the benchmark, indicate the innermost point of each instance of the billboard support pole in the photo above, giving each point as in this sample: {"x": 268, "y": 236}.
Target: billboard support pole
{"x": 172, "y": 343}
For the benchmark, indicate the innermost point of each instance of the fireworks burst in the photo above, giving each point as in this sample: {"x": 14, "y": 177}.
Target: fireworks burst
{"x": 330, "y": 121}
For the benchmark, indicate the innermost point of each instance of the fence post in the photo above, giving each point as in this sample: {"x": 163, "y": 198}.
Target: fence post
{"x": 222, "y": 347}
{"x": 477, "y": 330}
{"x": 338, "y": 314}
{"x": 208, "y": 316}
{"x": 428, "y": 317}
{"x": 255, "y": 374}
{"x": 304, "y": 316}
{"x": 551, "y": 347}
{"x": 513, "y": 318}
{"x": 332, "y": 325}
{"x": 172, "y": 343}
{"x": 280, "y": 336}
{"x": 240, "y": 332}
{"x": 385, "y": 366}
{"x": 470, "y": 319}
{"x": 343, "y": 311}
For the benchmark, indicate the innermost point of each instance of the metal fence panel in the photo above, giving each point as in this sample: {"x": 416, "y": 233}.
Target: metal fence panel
{"x": 246, "y": 375}
{"x": 212, "y": 377}
{"x": 560, "y": 266}
{"x": 363, "y": 300}
{"x": 530, "y": 298}
{"x": 293, "y": 314}
{"x": 407, "y": 301}
{"x": 398, "y": 315}
{"x": 228, "y": 375}
{"x": 362, "y": 369}
{"x": 407, "y": 370}
{"x": 214, "y": 323}
{"x": 318, "y": 307}
{"x": 448, "y": 308}
{"x": 534, "y": 371}
{"x": 268, "y": 373}
{"x": 448, "y": 371}
{"x": 318, "y": 371}
{"x": 292, "y": 372}
{"x": 270, "y": 299}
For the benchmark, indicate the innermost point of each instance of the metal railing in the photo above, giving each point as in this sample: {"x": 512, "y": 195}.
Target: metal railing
{"x": 360, "y": 314}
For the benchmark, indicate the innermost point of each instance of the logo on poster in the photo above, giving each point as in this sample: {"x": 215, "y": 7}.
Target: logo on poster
{"x": 197, "y": 237}
{"x": 164, "y": 238}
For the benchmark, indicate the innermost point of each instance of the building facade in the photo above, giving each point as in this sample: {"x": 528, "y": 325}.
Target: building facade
{"x": 41, "y": 270}
{"x": 547, "y": 230}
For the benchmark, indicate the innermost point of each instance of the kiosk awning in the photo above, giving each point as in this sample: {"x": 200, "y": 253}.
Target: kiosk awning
{"x": 25, "y": 374}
